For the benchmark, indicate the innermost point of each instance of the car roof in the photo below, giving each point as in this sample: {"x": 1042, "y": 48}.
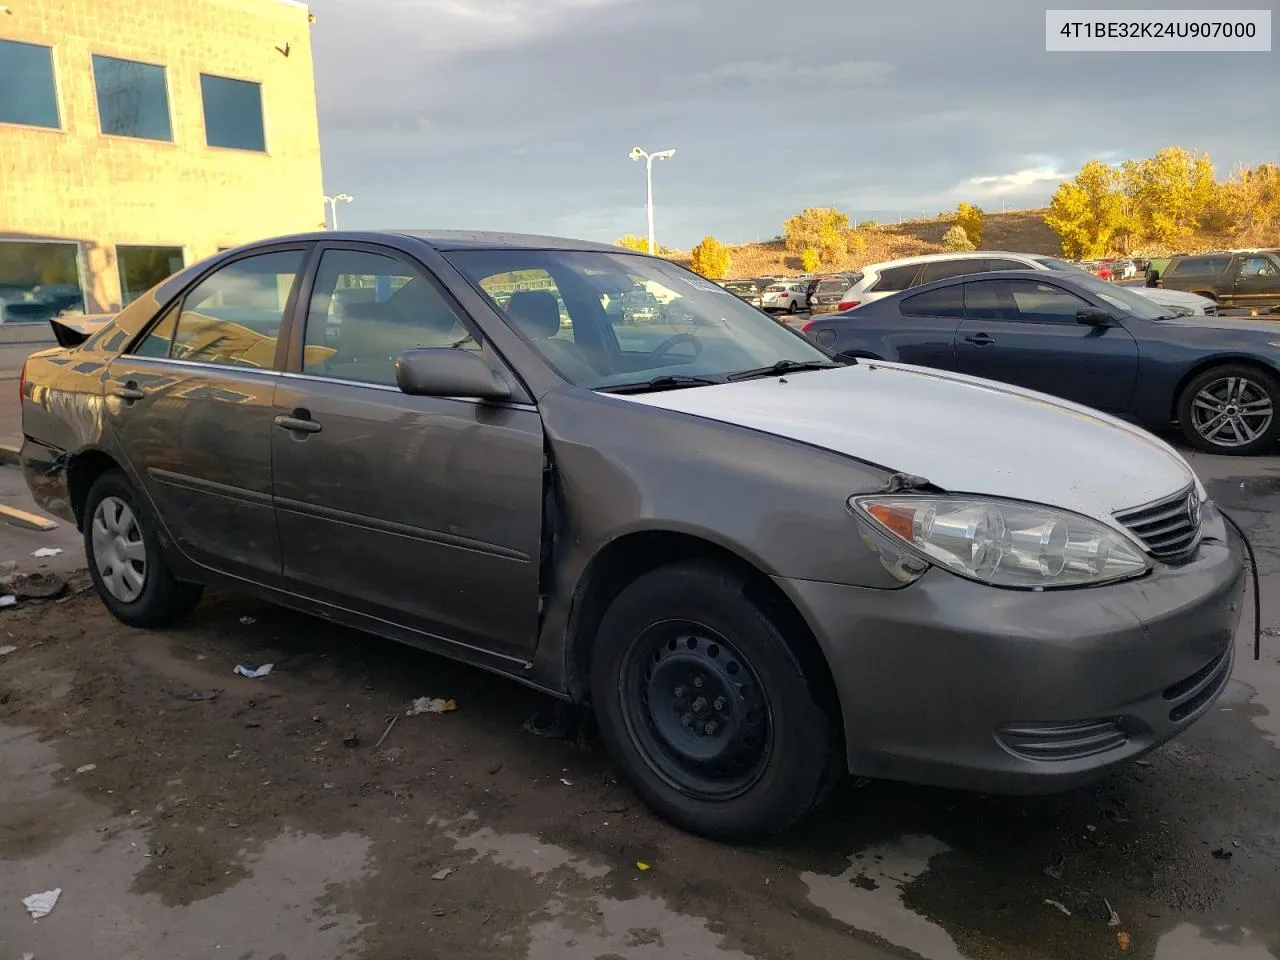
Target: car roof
{"x": 960, "y": 255}
{"x": 447, "y": 240}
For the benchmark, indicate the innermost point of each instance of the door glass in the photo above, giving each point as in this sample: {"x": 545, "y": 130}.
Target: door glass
{"x": 946, "y": 302}
{"x": 1044, "y": 302}
{"x": 157, "y": 342}
{"x": 366, "y": 309}
{"x": 233, "y": 316}
{"x": 942, "y": 269}
{"x": 1257, "y": 267}
{"x": 988, "y": 300}
{"x": 991, "y": 264}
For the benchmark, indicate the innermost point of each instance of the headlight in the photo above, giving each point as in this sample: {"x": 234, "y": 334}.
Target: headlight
{"x": 1178, "y": 311}
{"x": 1004, "y": 543}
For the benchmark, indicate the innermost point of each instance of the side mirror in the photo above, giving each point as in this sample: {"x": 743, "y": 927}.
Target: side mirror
{"x": 447, "y": 372}
{"x": 1095, "y": 317}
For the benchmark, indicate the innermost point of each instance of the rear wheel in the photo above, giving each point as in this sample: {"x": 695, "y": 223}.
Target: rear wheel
{"x": 1231, "y": 409}
{"x": 126, "y": 560}
{"x": 706, "y": 709}
{"x": 791, "y": 308}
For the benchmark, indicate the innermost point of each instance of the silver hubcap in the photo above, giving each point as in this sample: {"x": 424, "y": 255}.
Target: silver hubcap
{"x": 119, "y": 551}
{"x": 1232, "y": 411}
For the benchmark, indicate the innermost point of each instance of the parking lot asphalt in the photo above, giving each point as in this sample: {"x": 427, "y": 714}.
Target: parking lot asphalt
{"x": 185, "y": 812}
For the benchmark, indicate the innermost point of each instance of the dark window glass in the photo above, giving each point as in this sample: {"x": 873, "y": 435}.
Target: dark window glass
{"x": 944, "y": 302}
{"x": 27, "y": 93}
{"x": 232, "y": 113}
{"x": 1257, "y": 267}
{"x": 157, "y": 342}
{"x": 839, "y": 285}
{"x": 995, "y": 263}
{"x": 1197, "y": 267}
{"x": 39, "y": 281}
{"x": 133, "y": 99}
{"x": 944, "y": 269}
{"x": 141, "y": 268}
{"x": 988, "y": 300}
{"x": 366, "y": 310}
{"x": 895, "y": 279}
{"x": 1044, "y": 302}
{"x": 233, "y": 316}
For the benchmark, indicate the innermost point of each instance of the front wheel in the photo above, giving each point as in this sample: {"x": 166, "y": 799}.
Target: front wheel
{"x": 1231, "y": 410}
{"x": 126, "y": 560}
{"x": 706, "y": 709}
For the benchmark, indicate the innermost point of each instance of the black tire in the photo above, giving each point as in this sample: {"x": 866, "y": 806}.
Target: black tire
{"x": 1209, "y": 395}
{"x": 160, "y": 599}
{"x": 791, "y": 308}
{"x": 769, "y": 763}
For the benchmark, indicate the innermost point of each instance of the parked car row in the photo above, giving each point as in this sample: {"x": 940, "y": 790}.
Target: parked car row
{"x": 761, "y": 565}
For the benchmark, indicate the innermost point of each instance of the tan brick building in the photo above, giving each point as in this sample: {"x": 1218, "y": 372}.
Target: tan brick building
{"x": 140, "y": 135}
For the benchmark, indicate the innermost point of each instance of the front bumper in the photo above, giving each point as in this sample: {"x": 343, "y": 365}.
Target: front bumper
{"x": 951, "y": 683}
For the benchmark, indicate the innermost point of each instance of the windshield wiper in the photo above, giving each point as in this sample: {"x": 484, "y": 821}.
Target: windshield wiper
{"x": 785, "y": 366}
{"x": 665, "y": 382}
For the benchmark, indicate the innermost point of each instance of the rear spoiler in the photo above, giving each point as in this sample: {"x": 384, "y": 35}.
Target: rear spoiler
{"x": 73, "y": 331}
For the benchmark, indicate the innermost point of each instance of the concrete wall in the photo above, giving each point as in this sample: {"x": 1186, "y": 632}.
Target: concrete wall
{"x": 77, "y": 184}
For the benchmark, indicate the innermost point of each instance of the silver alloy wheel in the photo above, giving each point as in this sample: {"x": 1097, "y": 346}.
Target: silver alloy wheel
{"x": 1232, "y": 411}
{"x": 119, "y": 552}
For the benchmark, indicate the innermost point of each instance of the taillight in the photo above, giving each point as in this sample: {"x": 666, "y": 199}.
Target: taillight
{"x": 844, "y": 305}
{"x": 805, "y": 328}
{"x": 22, "y": 384}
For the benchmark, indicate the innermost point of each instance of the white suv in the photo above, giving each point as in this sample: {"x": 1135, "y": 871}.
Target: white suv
{"x": 881, "y": 279}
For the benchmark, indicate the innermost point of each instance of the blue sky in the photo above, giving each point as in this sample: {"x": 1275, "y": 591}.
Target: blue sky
{"x": 519, "y": 114}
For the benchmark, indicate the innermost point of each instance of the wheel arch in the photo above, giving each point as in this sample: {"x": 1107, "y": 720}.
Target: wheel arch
{"x": 83, "y": 470}
{"x": 1243, "y": 360}
{"x": 624, "y": 559}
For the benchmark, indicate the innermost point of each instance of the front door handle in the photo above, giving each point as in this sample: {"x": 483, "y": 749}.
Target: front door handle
{"x": 980, "y": 339}
{"x": 298, "y": 422}
{"x": 129, "y": 392}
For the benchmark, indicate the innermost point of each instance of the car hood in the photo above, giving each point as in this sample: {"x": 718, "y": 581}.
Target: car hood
{"x": 1175, "y": 298}
{"x": 1268, "y": 330}
{"x": 963, "y": 434}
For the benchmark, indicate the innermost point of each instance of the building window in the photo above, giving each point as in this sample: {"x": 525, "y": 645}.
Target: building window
{"x": 232, "y": 113}
{"x": 39, "y": 281}
{"x": 141, "y": 268}
{"x": 27, "y": 93}
{"x": 133, "y": 99}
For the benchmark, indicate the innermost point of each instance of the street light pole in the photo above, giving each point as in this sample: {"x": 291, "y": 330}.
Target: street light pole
{"x": 648, "y": 158}
{"x": 332, "y": 203}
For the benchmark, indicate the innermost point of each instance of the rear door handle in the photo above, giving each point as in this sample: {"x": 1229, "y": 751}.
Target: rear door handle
{"x": 299, "y": 422}
{"x": 129, "y": 392}
{"x": 980, "y": 339}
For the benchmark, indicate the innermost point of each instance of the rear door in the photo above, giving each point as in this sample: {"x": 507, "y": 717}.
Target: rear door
{"x": 422, "y": 511}
{"x": 191, "y": 405}
{"x": 1256, "y": 282}
{"x": 1025, "y": 332}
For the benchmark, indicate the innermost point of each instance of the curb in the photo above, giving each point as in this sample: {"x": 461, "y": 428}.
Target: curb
{"x": 10, "y": 454}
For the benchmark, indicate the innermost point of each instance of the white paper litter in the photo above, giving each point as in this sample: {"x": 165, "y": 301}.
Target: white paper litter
{"x": 248, "y": 620}
{"x": 431, "y": 705}
{"x": 41, "y": 904}
{"x": 7, "y": 649}
{"x": 253, "y": 674}
{"x": 8, "y": 600}
{"x": 47, "y": 552}
{"x": 87, "y": 768}
{"x": 442, "y": 874}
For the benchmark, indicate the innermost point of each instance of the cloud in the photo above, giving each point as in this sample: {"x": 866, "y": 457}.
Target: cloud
{"x": 766, "y": 71}
{"x": 1020, "y": 181}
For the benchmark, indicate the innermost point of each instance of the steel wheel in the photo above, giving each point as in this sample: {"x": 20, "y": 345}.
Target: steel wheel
{"x": 119, "y": 552}
{"x": 696, "y": 710}
{"x": 1232, "y": 411}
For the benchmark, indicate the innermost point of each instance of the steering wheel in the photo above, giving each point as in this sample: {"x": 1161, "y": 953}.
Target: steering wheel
{"x": 661, "y": 350}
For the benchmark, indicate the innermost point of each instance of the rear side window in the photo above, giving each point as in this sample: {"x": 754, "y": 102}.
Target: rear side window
{"x": 1198, "y": 267}
{"x": 945, "y": 302}
{"x": 1044, "y": 302}
{"x": 946, "y": 269}
{"x": 895, "y": 279}
{"x": 233, "y": 316}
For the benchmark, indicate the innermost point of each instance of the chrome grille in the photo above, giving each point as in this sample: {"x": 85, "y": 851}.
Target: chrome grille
{"x": 1168, "y": 528}
{"x": 1211, "y": 310}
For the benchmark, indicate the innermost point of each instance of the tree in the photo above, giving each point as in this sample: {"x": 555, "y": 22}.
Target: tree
{"x": 956, "y": 240}
{"x": 820, "y": 228}
{"x": 1248, "y": 204}
{"x": 1169, "y": 194}
{"x": 1089, "y": 211}
{"x": 810, "y": 259}
{"x": 631, "y": 242}
{"x": 711, "y": 258}
{"x": 972, "y": 219}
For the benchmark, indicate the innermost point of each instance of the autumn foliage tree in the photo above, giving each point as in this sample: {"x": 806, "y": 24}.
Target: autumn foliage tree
{"x": 1088, "y": 211}
{"x": 821, "y": 228}
{"x": 1248, "y": 204}
{"x": 631, "y": 241}
{"x": 711, "y": 259}
{"x": 956, "y": 240}
{"x": 972, "y": 219}
{"x": 1168, "y": 194}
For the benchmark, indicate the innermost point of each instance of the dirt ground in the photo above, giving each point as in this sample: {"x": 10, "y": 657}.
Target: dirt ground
{"x": 185, "y": 812}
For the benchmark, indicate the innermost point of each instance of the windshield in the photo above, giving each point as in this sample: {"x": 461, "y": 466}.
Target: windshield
{"x": 1062, "y": 266}
{"x": 573, "y": 307}
{"x": 741, "y": 287}
{"x": 1124, "y": 298}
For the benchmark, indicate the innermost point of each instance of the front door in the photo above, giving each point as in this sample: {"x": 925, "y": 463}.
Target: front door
{"x": 424, "y": 511}
{"x": 1257, "y": 282}
{"x": 191, "y": 407}
{"x": 1025, "y": 332}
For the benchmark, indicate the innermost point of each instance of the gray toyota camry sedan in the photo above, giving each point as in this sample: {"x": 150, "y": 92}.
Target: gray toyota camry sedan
{"x": 762, "y": 568}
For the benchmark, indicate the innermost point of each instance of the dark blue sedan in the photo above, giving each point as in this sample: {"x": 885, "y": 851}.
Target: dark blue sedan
{"x": 1084, "y": 340}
